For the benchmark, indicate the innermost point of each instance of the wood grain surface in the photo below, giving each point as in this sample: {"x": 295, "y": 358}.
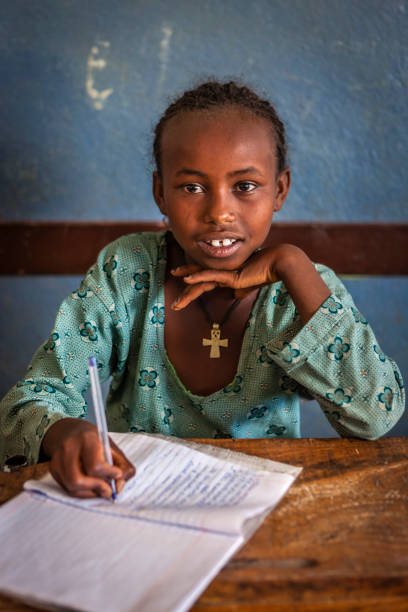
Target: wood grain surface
{"x": 337, "y": 541}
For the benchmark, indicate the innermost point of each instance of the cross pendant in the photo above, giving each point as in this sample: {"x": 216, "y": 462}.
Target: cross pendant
{"x": 215, "y": 341}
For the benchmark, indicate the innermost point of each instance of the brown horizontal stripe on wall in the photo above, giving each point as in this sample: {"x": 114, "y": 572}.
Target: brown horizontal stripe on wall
{"x": 68, "y": 247}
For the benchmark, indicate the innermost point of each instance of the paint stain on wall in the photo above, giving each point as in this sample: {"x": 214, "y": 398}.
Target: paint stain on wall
{"x": 96, "y": 62}
{"x": 164, "y": 48}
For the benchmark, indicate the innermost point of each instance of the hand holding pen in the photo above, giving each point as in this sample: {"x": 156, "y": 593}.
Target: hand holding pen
{"x": 78, "y": 462}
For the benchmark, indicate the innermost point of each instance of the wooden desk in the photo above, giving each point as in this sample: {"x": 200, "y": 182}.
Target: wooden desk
{"x": 337, "y": 541}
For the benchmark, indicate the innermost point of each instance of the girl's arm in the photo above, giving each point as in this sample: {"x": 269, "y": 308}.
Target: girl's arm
{"x": 43, "y": 414}
{"x": 329, "y": 349}
{"x": 286, "y": 262}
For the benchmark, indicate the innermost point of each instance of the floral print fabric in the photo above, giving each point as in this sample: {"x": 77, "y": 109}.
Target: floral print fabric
{"x": 118, "y": 315}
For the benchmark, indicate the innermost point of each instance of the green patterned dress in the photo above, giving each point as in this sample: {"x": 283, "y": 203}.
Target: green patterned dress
{"x": 117, "y": 314}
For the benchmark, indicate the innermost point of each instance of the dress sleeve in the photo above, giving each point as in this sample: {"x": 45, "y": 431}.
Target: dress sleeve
{"x": 91, "y": 321}
{"x": 337, "y": 358}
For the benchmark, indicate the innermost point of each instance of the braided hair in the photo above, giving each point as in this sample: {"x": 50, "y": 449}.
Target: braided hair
{"x": 215, "y": 94}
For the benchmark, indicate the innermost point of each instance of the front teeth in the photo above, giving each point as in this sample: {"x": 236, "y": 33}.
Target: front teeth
{"x": 222, "y": 243}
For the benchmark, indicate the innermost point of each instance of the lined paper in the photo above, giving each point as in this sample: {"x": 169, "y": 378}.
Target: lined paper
{"x": 142, "y": 552}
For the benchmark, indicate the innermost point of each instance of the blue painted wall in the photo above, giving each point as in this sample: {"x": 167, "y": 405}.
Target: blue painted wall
{"x": 337, "y": 70}
{"x": 85, "y": 82}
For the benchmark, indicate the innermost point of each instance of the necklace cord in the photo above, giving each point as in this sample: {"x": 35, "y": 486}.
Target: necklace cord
{"x": 226, "y": 316}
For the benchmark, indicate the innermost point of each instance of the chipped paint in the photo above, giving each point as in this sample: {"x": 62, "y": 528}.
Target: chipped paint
{"x": 95, "y": 62}
{"x": 164, "y": 48}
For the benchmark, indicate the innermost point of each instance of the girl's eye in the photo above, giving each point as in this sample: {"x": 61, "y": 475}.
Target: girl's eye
{"x": 193, "y": 188}
{"x": 245, "y": 186}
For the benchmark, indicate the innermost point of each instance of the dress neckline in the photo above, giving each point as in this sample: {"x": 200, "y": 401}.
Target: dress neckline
{"x": 248, "y": 340}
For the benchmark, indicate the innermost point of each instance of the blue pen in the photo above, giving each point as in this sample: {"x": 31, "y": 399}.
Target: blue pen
{"x": 100, "y": 415}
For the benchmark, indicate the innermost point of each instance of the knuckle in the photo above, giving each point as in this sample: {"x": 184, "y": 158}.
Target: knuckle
{"x": 89, "y": 435}
{"x": 73, "y": 488}
{"x": 65, "y": 445}
{"x": 129, "y": 471}
{"x": 82, "y": 438}
{"x": 103, "y": 490}
{"x": 76, "y": 483}
{"x": 95, "y": 470}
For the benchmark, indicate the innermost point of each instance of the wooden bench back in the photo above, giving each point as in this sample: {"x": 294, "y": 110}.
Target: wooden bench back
{"x": 68, "y": 247}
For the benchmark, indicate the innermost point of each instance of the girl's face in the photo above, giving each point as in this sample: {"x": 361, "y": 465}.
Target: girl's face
{"x": 218, "y": 186}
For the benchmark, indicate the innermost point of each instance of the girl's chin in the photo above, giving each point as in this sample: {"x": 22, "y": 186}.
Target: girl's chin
{"x": 216, "y": 263}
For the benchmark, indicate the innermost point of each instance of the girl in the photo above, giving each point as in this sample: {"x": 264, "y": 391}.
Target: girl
{"x": 205, "y": 332}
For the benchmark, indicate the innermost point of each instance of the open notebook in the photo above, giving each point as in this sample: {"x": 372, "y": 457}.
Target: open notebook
{"x": 173, "y": 527}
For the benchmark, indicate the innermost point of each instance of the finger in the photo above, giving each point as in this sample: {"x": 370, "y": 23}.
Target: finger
{"x": 92, "y": 493}
{"x": 103, "y": 470}
{"x": 74, "y": 472}
{"x": 120, "y": 483}
{"x": 190, "y": 294}
{"x": 127, "y": 468}
{"x": 223, "y": 278}
{"x": 86, "y": 494}
{"x": 90, "y": 487}
{"x": 186, "y": 269}
{"x": 78, "y": 484}
{"x": 94, "y": 463}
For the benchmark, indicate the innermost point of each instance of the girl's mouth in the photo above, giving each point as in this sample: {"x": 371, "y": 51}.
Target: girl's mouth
{"x": 220, "y": 248}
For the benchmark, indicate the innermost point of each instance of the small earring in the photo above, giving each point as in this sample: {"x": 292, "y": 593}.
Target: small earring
{"x": 165, "y": 221}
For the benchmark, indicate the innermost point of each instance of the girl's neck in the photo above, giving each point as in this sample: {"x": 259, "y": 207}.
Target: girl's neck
{"x": 184, "y": 331}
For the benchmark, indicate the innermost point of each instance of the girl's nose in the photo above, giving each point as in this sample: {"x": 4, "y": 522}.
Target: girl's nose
{"x": 219, "y": 209}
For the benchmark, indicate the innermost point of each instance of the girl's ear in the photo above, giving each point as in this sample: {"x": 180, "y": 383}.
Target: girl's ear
{"x": 158, "y": 193}
{"x": 282, "y": 188}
